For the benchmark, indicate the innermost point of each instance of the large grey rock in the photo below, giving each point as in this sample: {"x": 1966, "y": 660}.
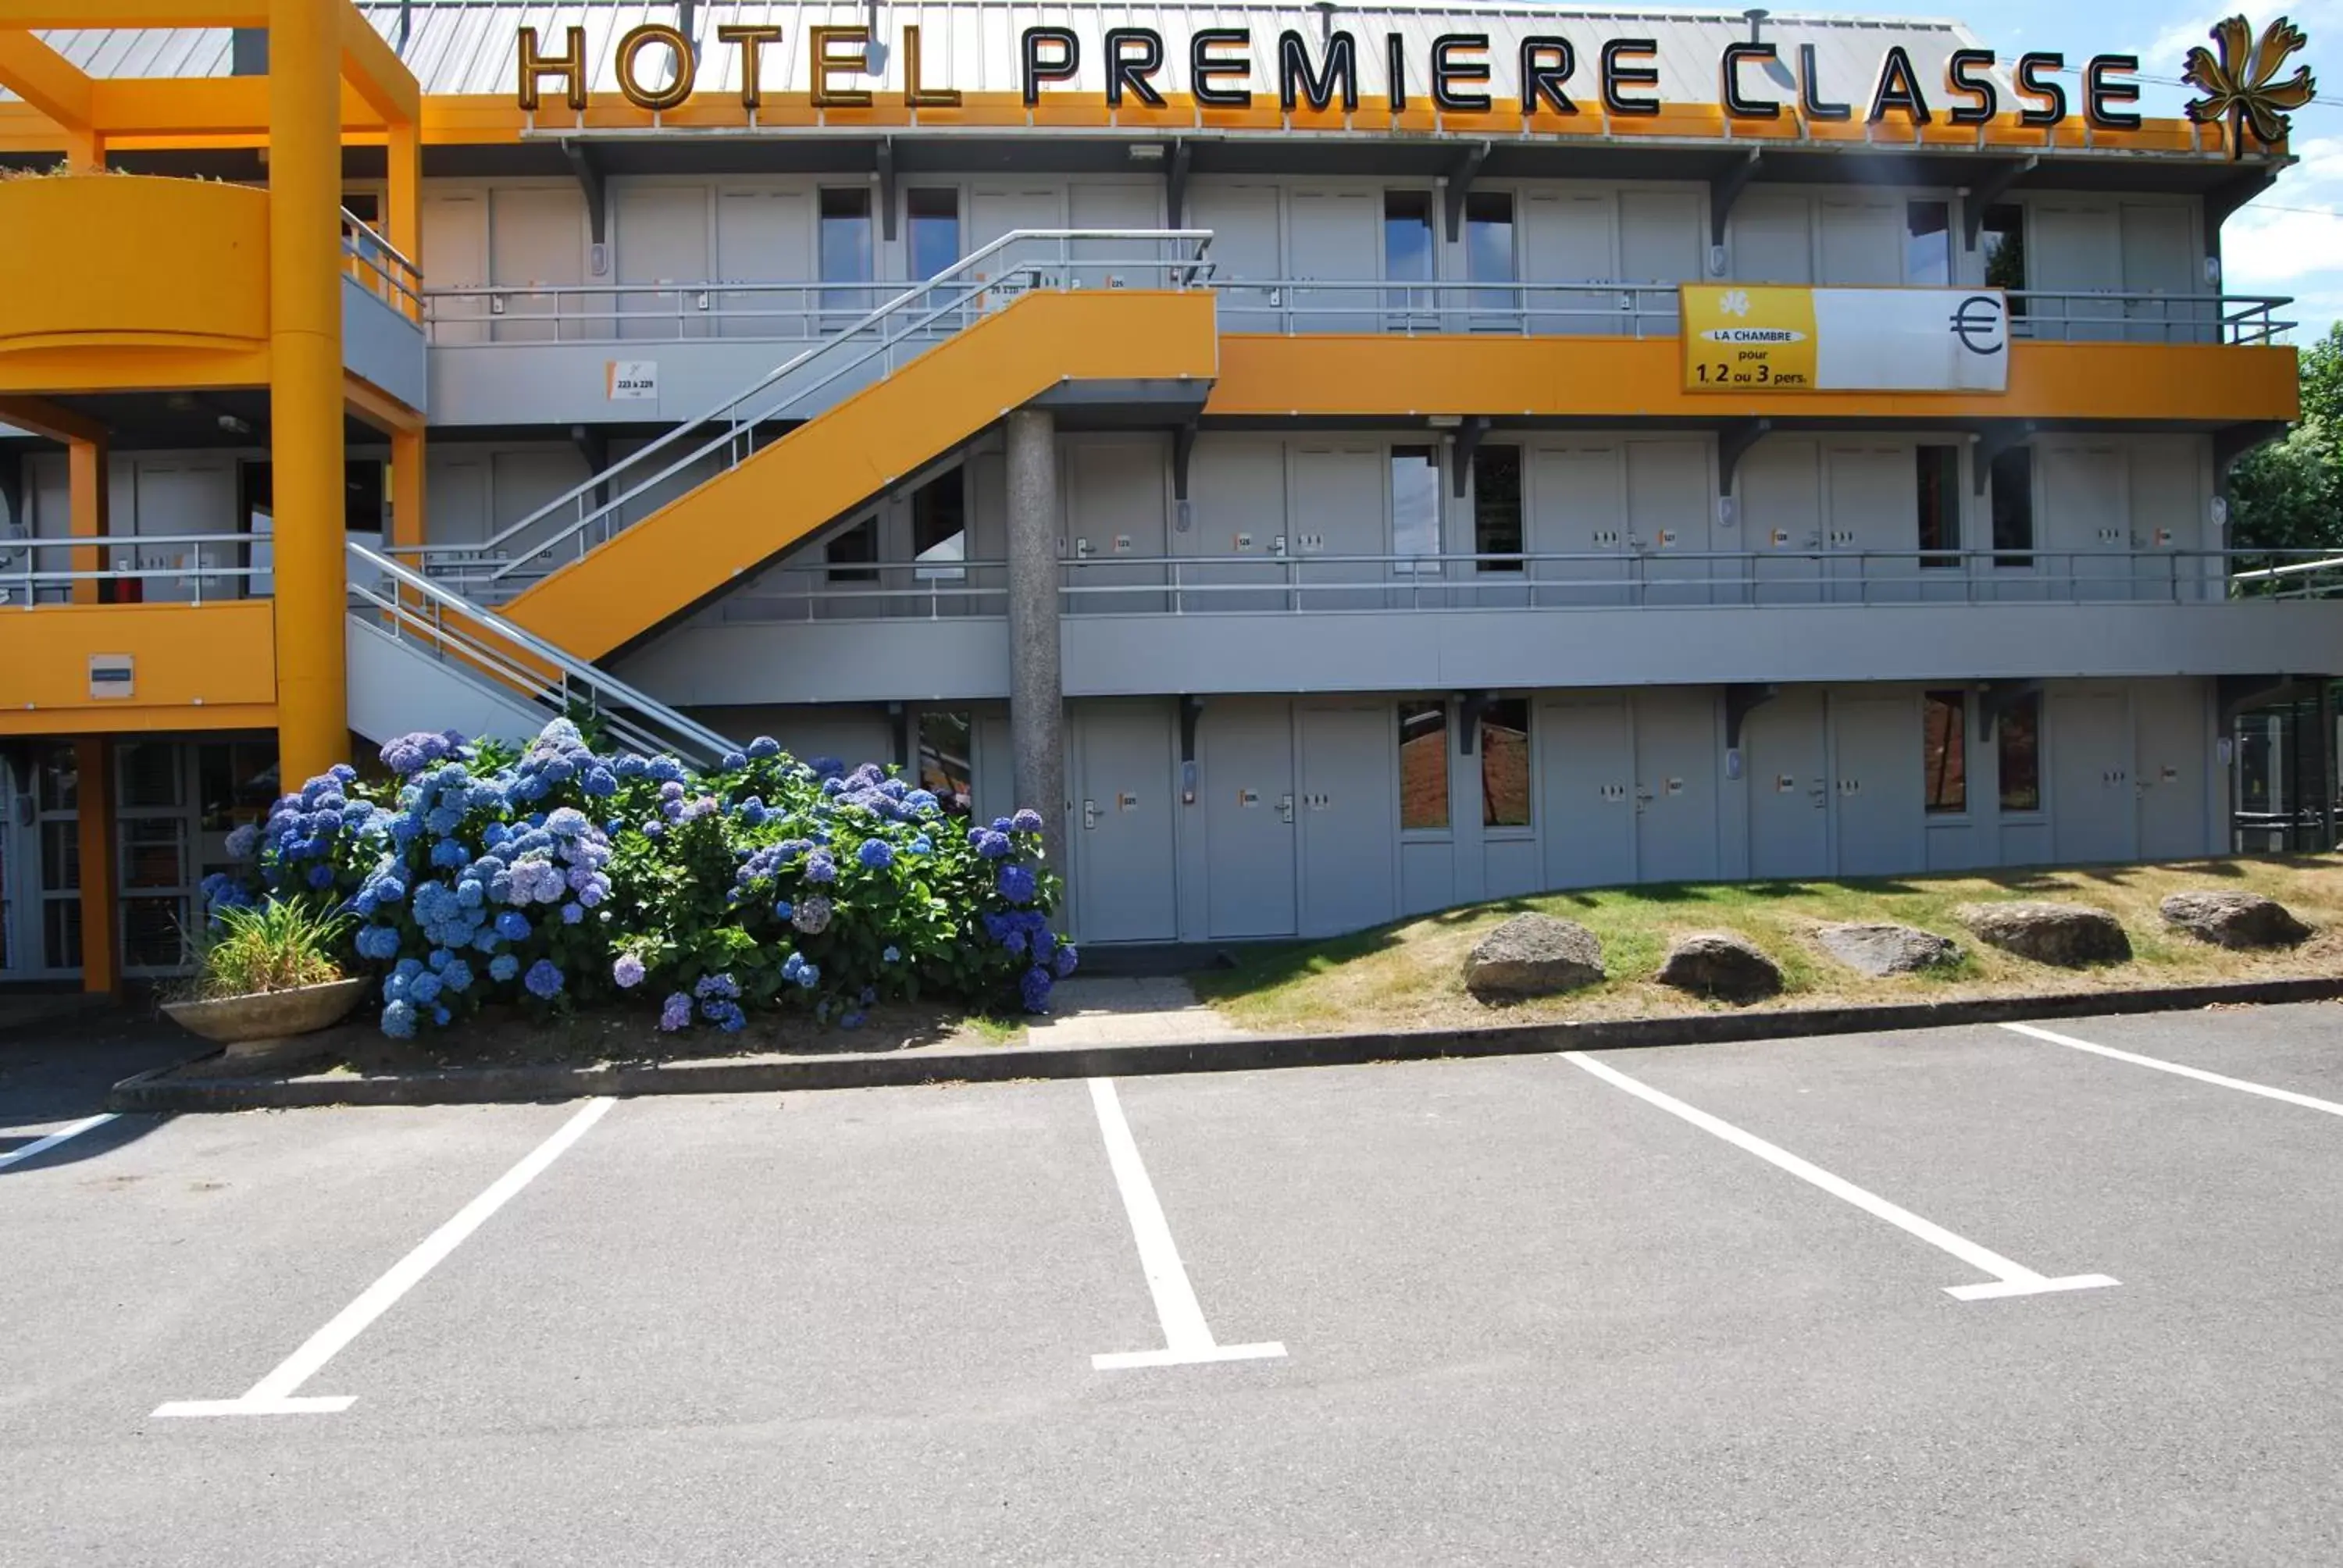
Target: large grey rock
{"x": 1533, "y": 955}
{"x": 1720, "y": 965}
{"x": 2233, "y": 918}
{"x": 1887, "y": 950}
{"x": 2069, "y": 935}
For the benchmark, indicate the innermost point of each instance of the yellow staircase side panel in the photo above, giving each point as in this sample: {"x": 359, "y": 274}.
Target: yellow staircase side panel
{"x": 831, "y": 464}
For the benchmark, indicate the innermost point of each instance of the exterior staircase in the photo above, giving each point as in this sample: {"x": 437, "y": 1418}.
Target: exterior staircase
{"x": 1020, "y": 319}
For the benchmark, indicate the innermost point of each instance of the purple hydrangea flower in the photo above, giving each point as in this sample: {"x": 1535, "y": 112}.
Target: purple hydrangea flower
{"x": 627, "y": 972}
{"x": 1026, "y": 820}
{"x": 812, "y": 915}
{"x": 543, "y": 980}
{"x": 676, "y": 1014}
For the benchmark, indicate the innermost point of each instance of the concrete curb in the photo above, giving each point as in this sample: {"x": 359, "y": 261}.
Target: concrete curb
{"x": 158, "y": 1091}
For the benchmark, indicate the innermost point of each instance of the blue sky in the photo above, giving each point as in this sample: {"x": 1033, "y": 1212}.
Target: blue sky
{"x": 2290, "y": 242}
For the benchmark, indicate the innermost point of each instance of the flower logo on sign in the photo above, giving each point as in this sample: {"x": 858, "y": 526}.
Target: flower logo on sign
{"x": 2238, "y": 82}
{"x": 1735, "y": 302}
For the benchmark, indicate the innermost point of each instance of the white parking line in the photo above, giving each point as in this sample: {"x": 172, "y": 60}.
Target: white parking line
{"x": 42, "y": 1145}
{"x": 274, "y": 1394}
{"x": 2010, "y": 1279}
{"x": 2198, "y": 1073}
{"x": 1187, "y": 1337}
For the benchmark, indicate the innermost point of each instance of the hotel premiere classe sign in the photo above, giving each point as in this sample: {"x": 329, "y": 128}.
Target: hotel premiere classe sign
{"x": 657, "y": 66}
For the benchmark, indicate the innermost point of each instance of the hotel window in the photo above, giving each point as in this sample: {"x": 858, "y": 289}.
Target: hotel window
{"x": 1423, "y": 767}
{"x": 1939, "y": 478}
{"x": 934, "y": 219}
{"x": 947, "y": 769}
{"x": 1407, "y": 248}
{"x": 940, "y": 528}
{"x": 2012, "y": 507}
{"x": 845, "y": 254}
{"x": 853, "y": 555}
{"x": 1415, "y": 507}
{"x": 2001, "y": 234}
{"x": 1945, "y": 737}
{"x": 1489, "y": 236}
{"x": 1927, "y": 243}
{"x": 1497, "y": 506}
{"x": 1505, "y": 749}
{"x": 2018, "y": 736}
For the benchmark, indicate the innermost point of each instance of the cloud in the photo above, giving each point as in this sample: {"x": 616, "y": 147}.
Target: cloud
{"x": 2291, "y": 242}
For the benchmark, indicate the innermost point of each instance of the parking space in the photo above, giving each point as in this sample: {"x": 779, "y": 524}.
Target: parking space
{"x": 1708, "y": 1304}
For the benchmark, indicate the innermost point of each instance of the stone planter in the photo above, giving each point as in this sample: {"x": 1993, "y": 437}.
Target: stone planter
{"x": 250, "y": 1025}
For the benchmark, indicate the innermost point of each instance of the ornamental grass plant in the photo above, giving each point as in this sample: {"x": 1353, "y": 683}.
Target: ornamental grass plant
{"x": 275, "y": 945}
{"x": 562, "y": 876}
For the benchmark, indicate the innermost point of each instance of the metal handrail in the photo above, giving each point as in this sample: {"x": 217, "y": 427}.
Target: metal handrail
{"x": 2266, "y": 573}
{"x": 27, "y": 579}
{"x": 401, "y": 277}
{"x": 1181, "y": 272}
{"x": 655, "y": 727}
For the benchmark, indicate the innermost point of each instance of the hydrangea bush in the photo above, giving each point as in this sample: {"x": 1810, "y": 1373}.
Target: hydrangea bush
{"x": 562, "y": 876}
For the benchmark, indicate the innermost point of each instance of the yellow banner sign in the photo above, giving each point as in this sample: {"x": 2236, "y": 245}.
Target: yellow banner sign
{"x": 1746, "y": 338}
{"x": 1751, "y": 337}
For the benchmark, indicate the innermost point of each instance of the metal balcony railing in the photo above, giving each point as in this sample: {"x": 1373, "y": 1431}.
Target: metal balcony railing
{"x": 1308, "y": 584}
{"x": 881, "y": 342}
{"x": 675, "y": 310}
{"x": 379, "y": 268}
{"x": 174, "y": 569}
{"x": 483, "y": 645}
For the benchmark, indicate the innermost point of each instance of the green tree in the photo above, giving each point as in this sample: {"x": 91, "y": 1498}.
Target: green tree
{"x": 2289, "y": 496}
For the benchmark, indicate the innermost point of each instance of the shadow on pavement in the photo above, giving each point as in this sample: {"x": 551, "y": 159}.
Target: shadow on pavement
{"x": 56, "y": 1063}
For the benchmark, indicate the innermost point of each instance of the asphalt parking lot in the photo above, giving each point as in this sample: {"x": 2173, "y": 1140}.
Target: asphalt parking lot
{"x": 1970, "y": 1296}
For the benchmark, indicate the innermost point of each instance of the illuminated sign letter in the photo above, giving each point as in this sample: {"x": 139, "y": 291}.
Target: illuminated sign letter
{"x": 1735, "y": 105}
{"x": 1898, "y": 90}
{"x": 827, "y": 62}
{"x": 2098, "y": 93}
{"x": 570, "y": 67}
{"x": 1810, "y": 97}
{"x": 1295, "y": 83}
{"x": 1964, "y": 74}
{"x": 1203, "y": 65}
{"x": 2030, "y": 83}
{"x": 1395, "y": 68}
{"x": 914, "y": 95}
{"x": 1616, "y": 76}
{"x": 678, "y": 82}
{"x": 752, "y": 37}
{"x": 1448, "y": 71}
{"x": 1124, "y": 68}
{"x": 1058, "y": 66}
{"x": 1546, "y": 65}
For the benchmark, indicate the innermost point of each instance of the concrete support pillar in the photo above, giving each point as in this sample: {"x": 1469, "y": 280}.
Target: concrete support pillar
{"x": 305, "y": 391}
{"x": 1037, "y": 710}
{"x": 86, "y": 479}
{"x": 101, "y": 925}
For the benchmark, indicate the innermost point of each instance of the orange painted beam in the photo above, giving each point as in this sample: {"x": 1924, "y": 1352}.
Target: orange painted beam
{"x": 43, "y": 417}
{"x": 41, "y": 15}
{"x": 365, "y": 400}
{"x": 825, "y": 467}
{"x": 373, "y": 68}
{"x": 1390, "y": 377}
{"x": 205, "y": 106}
{"x": 188, "y": 663}
{"x": 47, "y": 80}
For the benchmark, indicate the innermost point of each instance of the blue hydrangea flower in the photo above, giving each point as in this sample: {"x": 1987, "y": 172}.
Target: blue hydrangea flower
{"x": 513, "y": 926}
{"x": 725, "y": 1015}
{"x": 379, "y": 942}
{"x": 503, "y": 967}
{"x": 543, "y": 980}
{"x": 456, "y": 976}
{"x": 764, "y": 746}
{"x": 821, "y": 868}
{"x": 242, "y": 840}
{"x": 922, "y": 845}
{"x": 721, "y": 986}
{"x": 1066, "y": 960}
{"x": 732, "y": 761}
{"x": 892, "y": 955}
{"x": 676, "y": 1013}
{"x": 1026, "y": 820}
{"x": 1033, "y": 990}
{"x": 399, "y": 1020}
{"x": 990, "y": 844}
{"x": 876, "y": 853}
{"x": 1016, "y": 884}
{"x": 572, "y": 913}
{"x": 627, "y": 972}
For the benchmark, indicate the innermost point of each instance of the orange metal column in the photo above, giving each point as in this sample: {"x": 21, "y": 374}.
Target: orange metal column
{"x": 86, "y": 477}
{"x": 305, "y": 392}
{"x": 101, "y": 925}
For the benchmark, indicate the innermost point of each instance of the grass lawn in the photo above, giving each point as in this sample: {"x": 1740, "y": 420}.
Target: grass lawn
{"x": 1411, "y": 975}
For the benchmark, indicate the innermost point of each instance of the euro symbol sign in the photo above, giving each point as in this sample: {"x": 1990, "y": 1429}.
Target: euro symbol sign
{"x": 1977, "y": 323}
